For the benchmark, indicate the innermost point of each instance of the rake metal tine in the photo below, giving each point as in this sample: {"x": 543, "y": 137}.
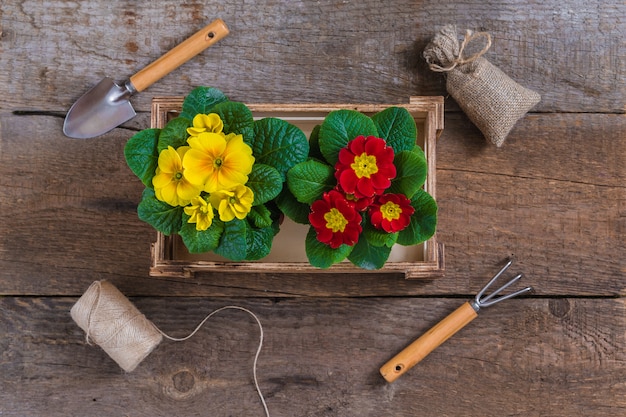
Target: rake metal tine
{"x": 481, "y": 300}
{"x": 494, "y": 279}
{"x": 502, "y": 288}
{"x": 505, "y": 297}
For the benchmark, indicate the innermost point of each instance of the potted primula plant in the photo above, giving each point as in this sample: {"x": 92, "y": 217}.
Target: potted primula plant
{"x": 211, "y": 175}
{"x": 361, "y": 189}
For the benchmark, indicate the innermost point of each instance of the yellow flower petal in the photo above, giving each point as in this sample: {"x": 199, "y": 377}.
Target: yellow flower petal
{"x": 200, "y": 212}
{"x": 218, "y": 196}
{"x": 181, "y": 151}
{"x": 197, "y": 168}
{"x": 169, "y": 183}
{"x": 169, "y": 160}
{"x": 209, "y": 142}
{"x": 162, "y": 179}
{"x": 226, "y": 212}
{"x": 233, "y": 203}
{"x": 227, "y": 178}
{"x": 206, "y": 123}
{"x": 187, "y": 191}
{"x": 168, "y": 194}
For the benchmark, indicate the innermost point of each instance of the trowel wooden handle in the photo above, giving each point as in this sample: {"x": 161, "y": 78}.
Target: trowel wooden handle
{"x": 428, "y": 342}
{"x": 182, "y": 53}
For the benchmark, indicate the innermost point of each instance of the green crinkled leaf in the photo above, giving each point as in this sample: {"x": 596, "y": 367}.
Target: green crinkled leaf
{"x": 321, "y": 255}
{"x": 201, "y": 241}
{"x": 265, "y": 182}
{"x": 308, "y": 180}
{"x": 237, "y": 118}
{"x": 233, "y": 244}
{"x": 411, "y": 170}
{"x": 174, "y": 134}
{"x": 141, "y": 154}
{"x": 423, "y": 221}
{"x": 314, "y": 144}
{"x": 292, "y": 208}
{"x": 201, "y": 100}
{"x": 367, "y": 256}
{"x": 259, "y": 242}
{"x": 339, "y": 128}
{"x": 397, "y": 127}
{"x": 278, "y": 144}
{"x": 260, "y": 216}
{"x": 419, "y": 151}
{"x": 377, "y": 237}
{"x": 163, "y": 217}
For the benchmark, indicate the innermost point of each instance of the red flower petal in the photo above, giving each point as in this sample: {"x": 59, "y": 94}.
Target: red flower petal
{"x": 346, "y": 157}
{"x": 364, "y": 189}
{"x": 348, "y": 180}
{"x": 324, "y": 234}
{"x": 329, "y": 234}
{"x": 357, "y": 145}
{"x": 374, "y": 146}
{"x": 376, "y": 218}
{"x": 387, "y": 154}
{"x": 380, "y": 182}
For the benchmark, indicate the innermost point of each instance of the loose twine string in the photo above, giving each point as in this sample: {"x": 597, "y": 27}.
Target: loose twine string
{"x": 460, "y": 59}
{"x": 112, "y": 322}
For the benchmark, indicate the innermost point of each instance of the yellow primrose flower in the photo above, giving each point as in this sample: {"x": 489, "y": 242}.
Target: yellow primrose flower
{"x": 232, "y": 203}
{"x": 216, "y": 162}
{"x": 206, "y": 123}
{"x": 200, "y": 212}
{"x": 170, "y": 185}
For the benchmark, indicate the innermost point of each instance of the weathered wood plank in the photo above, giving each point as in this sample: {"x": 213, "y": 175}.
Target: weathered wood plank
{"x": 532, "y": 357}
{"x": 554, "y": 196}
{"x": 572, "y": 53}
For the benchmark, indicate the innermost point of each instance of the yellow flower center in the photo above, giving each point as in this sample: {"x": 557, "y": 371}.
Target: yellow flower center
{"x": 335, "y": 221}
{"x": 390, "y": 211}
{"x": 204, "y": 209}
{"x": 364, "y": 165}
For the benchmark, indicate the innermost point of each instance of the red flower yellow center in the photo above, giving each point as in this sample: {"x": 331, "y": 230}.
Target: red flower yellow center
{"x": 391, "y": 211}
{"x": 364, "y": 165}
{"x": 335, "y": 221}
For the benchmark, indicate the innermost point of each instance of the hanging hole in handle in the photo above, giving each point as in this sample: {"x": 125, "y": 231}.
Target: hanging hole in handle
{"x": 210, "y": 35}
{"x": 399, "y": 367}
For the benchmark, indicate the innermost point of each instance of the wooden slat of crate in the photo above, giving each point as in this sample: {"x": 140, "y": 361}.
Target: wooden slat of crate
{"x": 170, "y": 259}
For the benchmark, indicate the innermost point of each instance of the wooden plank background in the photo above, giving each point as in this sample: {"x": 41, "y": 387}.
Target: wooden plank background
{"x": 554, "y": 196}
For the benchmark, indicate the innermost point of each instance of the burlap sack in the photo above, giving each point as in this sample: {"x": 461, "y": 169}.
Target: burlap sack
{"x": 489, "y": 97}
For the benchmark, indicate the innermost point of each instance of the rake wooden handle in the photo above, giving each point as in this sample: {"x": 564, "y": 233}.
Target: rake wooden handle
{"x": 428, "y": 342}
{"x": 182, "y": 53}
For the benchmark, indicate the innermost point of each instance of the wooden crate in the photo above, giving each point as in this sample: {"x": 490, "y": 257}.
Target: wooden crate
{"x": 170, "y": 258}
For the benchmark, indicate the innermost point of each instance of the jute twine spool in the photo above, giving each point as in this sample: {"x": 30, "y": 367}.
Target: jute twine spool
{"x": 489, "y": 97}
{"x": 112, "y": 322}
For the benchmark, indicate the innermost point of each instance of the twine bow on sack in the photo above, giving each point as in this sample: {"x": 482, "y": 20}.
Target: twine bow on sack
{"x": 453, "y": 53}
{"x": 489, "y": 97}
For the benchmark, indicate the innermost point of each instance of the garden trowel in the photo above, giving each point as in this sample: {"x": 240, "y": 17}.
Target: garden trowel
{"x": 107, "y": 105}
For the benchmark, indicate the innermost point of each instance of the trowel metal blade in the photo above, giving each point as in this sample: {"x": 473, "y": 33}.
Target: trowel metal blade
{"x": 99, "y": 110}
